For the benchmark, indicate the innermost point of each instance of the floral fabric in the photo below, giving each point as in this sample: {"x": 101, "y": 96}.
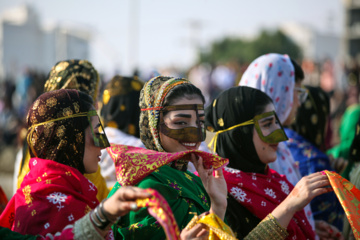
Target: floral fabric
{"x": 262, "y": 193}
{"x": 51, "y": 197}
{"x": 132, "y": 164}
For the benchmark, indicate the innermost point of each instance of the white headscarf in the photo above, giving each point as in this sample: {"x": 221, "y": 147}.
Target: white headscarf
{"x": 273, "y": 74}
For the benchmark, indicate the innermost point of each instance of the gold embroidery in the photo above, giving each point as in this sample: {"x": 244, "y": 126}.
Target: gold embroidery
{"x": 36, "y": 104}
{"x": 42, "y": 110}
{"x": 67, "y": 112}
{"x": 48, "y": 181}
{"x": 60, "y": 132}
{"x": 51, "y": 102}
{"x": 214, "y": 103}
{"x": 38, "y": 179}
{"x": 106, "y": 96}
{"x": 188, "y": 176}
{"x": 18, "y": 223}
{"x": 314, "y": 119}
{"x": 27, "y": 193}
{"x": 33, "y": 212}
{"x": 303, "y": 129}
{"x": 122, "y": 108}
{"x": 136, "y": 85}
{"x": 68, "y": 173}
{"x": 45, "y": 174}
{"x": 133, "y": 227}
{"x": 308, "y": 104}
{"x": 221, "y": 122}
{"x": 76, "y": 107}
{"x": 79, "y": 137}
{"x": 87, "y": 209}
{"x": 131, "y": 129}
{"x": 61, "y": 66}
{"x": 357, "y": 129}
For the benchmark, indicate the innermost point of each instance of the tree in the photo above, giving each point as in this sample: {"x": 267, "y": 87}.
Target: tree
{"x": 230, "y": 49}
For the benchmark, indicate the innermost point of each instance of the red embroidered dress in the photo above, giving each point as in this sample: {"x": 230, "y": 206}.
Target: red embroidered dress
{"x": 52, "y": 196}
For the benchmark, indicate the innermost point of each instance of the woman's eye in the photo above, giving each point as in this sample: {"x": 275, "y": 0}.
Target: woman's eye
{"x": 267, "y": 125}
{"x": 180, "y": 123}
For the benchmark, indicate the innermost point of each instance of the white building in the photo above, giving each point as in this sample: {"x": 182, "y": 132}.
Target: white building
{"x": 25, "y": 43}
{"x": 315, "y": 45}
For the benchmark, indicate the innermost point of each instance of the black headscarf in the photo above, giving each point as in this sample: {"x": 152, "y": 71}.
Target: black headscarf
{"x": 312, "y": 116}
{"x": 234, "y": 106}
{"x": 121, "y": 104}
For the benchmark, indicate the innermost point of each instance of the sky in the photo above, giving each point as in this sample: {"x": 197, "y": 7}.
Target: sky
{"x": 164, "y": 33}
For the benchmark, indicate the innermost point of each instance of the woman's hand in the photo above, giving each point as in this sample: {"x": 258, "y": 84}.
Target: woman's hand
{"x": 198, "y": 232}
{"x": 305, "y": 190}
{"x": 214, "y": 184}
{"x": 327, "y": 231}
{"x": 123, "y": 201}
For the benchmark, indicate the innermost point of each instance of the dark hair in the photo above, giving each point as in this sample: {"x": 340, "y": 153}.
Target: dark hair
{"x": 299, "y": 73}
{"x": 181, "y": 91}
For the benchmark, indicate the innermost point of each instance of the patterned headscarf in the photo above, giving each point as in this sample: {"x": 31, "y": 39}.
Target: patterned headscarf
{"x": 273, "y": 74}
{"x": 152, "y": 98}
{"x": 121, "y": 104}
{"x": 62, "y": 141}
{"x": 312, "y": 116}
{"x": 73, "y": 74}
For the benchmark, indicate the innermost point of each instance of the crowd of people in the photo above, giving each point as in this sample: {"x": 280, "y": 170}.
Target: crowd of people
{"x": 128, "y": 160}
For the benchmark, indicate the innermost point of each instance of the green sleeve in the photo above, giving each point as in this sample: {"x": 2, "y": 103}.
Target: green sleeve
{"x": 184, "y": 197}
{"x": 7, "y": 234}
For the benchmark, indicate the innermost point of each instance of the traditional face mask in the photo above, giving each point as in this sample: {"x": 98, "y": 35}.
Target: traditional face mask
{"x": 100, "y": 138}
{"x": 267, "y": 126}
{"x": 187, "y": 134}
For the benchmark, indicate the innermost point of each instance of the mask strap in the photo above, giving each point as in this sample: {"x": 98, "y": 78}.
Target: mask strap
{"x": 213, "y": 141}
{"x": 31, "y": 129}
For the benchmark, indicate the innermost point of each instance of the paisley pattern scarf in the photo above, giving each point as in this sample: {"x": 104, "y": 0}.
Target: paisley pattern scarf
{"x": 135, "y": 163}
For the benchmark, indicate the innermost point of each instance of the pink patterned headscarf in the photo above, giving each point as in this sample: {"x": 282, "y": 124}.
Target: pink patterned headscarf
{"x": 273, "y": 74}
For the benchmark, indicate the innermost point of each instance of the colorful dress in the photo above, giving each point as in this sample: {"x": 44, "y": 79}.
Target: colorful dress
{"x": 254, "y": 190}
{"x": 52, "y": 196}
{"x": 184, "y": 193}
{"x": 182, "y": 190}
{"x": 326, "y": 206}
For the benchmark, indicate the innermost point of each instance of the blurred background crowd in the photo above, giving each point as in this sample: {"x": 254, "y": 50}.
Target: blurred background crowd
{"x": 135, "y": 37}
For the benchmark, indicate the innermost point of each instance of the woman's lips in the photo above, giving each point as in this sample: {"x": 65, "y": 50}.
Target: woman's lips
{"x": 190, "y": 145}
{"x": 274, "y": 146}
